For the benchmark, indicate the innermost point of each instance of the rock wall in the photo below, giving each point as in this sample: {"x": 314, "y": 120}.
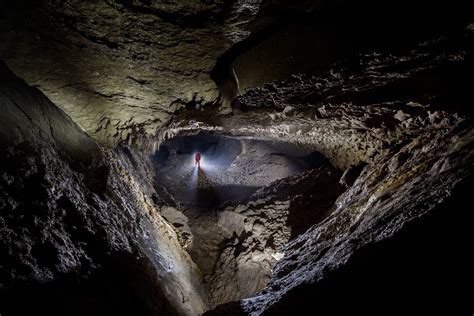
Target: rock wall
{"x": 358, "y": 108}
{"x": 401, "y": 127}
{"x": 397, "y": 239}
{"x": 121, "y": 68}
{"x": 256, "y": 232}
{"x": 78, "y": 235}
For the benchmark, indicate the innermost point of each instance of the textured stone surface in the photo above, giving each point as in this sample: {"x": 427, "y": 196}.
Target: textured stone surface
{"x": 389, "y": 195}
{"x": 75, "y": 218}
{"x": 359, "y": 108}
{"x": 256, "y": 232}
{"x": 121, "y": 67}
{"x": 387, "y": 233}
{"x": 394, "y": 116}
{"x": 408, "y": 134}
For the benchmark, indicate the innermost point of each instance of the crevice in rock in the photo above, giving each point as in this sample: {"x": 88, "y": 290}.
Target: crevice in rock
{"x": 185, "y": 18}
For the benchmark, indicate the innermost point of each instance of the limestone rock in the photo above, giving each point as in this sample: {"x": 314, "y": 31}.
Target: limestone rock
{"x": 256, "y": 232}
{"x": 407, "y": 155}
{"x": 75, "y": 221}
{"x": 121, "y": 68}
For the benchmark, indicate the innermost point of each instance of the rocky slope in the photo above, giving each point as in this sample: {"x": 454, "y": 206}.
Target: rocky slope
{"x": 397, "y": 238}
{"x": 78, "y": 233}
{"x": 256, "y": 232}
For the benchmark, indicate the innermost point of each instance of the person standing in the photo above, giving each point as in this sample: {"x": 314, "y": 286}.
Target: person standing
{"x": 198, "y": 159}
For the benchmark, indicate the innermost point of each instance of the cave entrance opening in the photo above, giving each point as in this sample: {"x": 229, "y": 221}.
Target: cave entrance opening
{"x": 238, "y": 209}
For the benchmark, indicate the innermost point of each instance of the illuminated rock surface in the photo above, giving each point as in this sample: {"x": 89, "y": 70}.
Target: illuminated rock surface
{"x": 121, "y": 67}
{"x": 76, "y": 221}
{"x": 337, "y": 157}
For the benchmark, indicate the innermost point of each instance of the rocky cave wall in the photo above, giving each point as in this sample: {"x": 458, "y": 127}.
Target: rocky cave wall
{"x": 410, "y": 149}
{"x": 382, "y": 226}
{"x": 120, "y": 69}
{"x": 77, "y": 221}
{"x": 357, "y": 108}
{"x": 396, "y": 242}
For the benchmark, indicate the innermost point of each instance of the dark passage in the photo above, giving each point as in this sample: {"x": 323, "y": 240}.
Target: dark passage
{"x": 248, "y": 196}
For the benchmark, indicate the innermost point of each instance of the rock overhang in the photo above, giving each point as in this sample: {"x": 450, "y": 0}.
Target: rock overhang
{"x": 122, "y": 69}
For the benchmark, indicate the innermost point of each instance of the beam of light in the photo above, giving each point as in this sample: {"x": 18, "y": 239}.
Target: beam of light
{"x": 193, "y": 182}
{"x": 194, "y": 176}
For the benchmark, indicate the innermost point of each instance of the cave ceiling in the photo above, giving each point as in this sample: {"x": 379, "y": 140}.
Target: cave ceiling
{"x": 124, "y": 68}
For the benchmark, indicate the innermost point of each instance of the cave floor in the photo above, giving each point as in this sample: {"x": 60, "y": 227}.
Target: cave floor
{"x": 231, "y": 171}
{"x": 230, "y": 177}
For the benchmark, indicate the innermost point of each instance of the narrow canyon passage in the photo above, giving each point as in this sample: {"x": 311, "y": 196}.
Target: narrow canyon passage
{"x": 231, "y": 226}
{"x": 236, "y": 157}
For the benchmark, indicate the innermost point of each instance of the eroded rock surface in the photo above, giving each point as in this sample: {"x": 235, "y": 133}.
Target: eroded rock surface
{"x": 359, "y": 108}
{"x": 78, "y": 234}
{"x": 256, "y": 232}
{"x": 381, "y": 245}
{"x": 392, "y": 117}
{"x": 121, "y": 67}
{"x": 399, "y": 198}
